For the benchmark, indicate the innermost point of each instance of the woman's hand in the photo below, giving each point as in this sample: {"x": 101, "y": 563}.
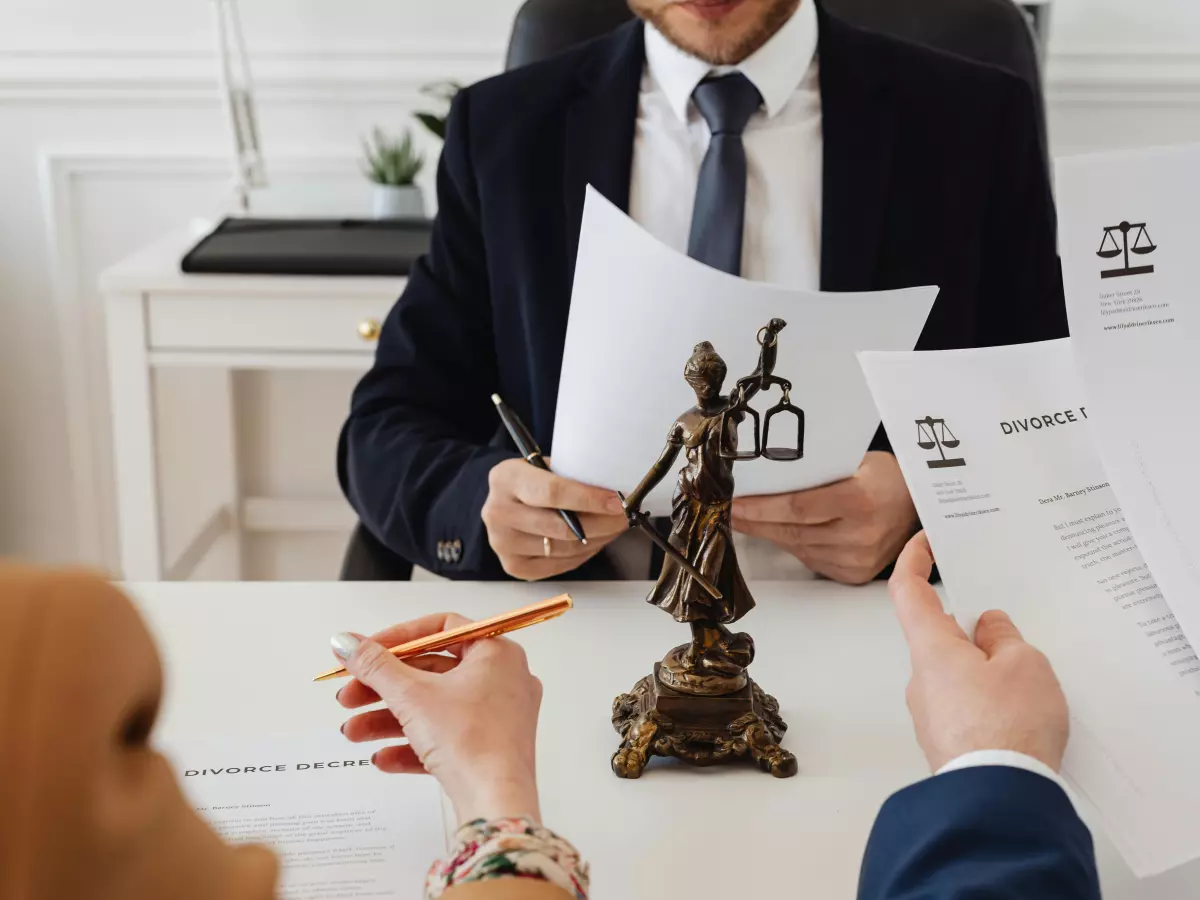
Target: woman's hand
{"x": 470, "y": 718}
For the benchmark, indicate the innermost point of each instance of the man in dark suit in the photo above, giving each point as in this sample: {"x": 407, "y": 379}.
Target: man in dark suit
{"x": 763, "y": 137}
{"x": 994, "y": 821}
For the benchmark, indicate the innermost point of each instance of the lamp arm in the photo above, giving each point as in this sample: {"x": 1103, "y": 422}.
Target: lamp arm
{"x": 237, "y": 92}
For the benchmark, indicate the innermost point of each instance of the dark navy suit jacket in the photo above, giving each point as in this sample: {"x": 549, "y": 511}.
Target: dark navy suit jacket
{"x": 932, "y": 175}
{"x": 988, "y": 833}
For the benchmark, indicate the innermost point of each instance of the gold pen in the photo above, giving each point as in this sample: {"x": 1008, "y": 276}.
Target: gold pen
{"x": 474, "y": 631}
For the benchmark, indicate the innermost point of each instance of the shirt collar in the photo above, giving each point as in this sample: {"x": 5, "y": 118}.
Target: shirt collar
{"x": 776, "y": 68}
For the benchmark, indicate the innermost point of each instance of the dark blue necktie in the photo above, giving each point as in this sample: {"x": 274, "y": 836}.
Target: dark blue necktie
{"x": 727, "y": 103}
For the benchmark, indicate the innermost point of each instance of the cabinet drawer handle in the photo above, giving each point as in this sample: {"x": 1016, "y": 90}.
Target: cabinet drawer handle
{"x": 368, "y": 330}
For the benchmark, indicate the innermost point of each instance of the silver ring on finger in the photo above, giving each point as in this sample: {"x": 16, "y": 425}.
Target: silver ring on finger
{"x": 546, "y": 548}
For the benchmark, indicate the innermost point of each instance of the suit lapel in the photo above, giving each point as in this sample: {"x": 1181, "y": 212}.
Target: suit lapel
{"x": 600, "y": 124}
{"x": 859, "y": 125}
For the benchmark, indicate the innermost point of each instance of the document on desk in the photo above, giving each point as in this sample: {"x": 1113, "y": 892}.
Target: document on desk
{"x": 637, "y": 309}
{"x": 1130, "y": 245}
{"x": 997, "y": 448}
{"x": 340, "y": 827}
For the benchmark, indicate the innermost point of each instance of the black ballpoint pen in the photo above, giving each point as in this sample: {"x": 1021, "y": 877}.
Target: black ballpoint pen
{"x": 528, "y": 448}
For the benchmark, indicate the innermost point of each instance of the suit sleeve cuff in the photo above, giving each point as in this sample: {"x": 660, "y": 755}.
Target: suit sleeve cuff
{"x": 1010, "y": 758}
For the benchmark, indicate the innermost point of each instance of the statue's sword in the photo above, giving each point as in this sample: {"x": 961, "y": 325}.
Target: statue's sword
{"x": 642, "y": 521}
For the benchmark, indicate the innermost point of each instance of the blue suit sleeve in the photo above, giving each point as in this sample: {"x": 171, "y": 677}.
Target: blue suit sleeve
{"x": 422, "y": 435}
{"x": 986, "y": 833}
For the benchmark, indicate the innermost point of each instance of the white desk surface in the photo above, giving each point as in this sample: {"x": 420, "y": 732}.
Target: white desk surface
{"x": 240, "y": 658}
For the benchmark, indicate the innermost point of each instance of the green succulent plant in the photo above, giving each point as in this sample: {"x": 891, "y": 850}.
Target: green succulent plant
{"x": 392, "y": 161}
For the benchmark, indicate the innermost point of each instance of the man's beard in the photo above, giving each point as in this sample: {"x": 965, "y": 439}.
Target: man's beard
{"x": 730, "y": 51}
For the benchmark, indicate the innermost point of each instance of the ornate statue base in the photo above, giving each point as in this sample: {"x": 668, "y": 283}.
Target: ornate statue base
{"x": 702, "y": 729}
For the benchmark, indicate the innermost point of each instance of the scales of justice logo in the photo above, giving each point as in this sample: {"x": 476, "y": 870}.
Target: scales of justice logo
{"x": 932, "y": 433}
{"x": 1142, "y": 244}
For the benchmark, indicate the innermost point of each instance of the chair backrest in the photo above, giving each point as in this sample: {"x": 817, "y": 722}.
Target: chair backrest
{"x": 998, "y": 32}
{"x": 991, "y": 31}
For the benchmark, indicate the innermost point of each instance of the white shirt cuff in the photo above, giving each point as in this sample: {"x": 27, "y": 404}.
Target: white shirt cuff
{"x": 1010, "y": 758}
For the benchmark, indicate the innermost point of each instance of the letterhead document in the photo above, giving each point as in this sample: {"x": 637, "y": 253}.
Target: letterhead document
{"x": 638, "y": 308}
{"x": 1130, "y": 246}
{"x": 997, "y": 448}
{"x": 340, "y": 827}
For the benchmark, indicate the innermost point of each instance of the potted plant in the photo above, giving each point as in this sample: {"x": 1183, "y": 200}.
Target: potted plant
{"x": 444, "y": 92}
{"x": 393, "y": 164}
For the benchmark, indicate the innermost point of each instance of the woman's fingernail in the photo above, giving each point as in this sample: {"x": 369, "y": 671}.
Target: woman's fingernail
{"x": 373, "y": 755}
{"x": 343, "y": 728}
{"x": 344, "y": 644}
{"x": 337, "y": 698}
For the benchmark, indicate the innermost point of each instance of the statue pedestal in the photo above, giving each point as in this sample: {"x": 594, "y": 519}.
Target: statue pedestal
{"x": 656, "y": 720}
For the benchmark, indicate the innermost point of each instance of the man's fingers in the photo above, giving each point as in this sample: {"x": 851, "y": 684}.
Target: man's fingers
{"x": 537, "y": 487}
{"x": 836, "y": 533}
{"x": 511, "y": 544}
{"x": 995, "y": 631}
{"x": 376, "y": 725}
{"x": 780, "y": 533}
{"x": 400, "y": 759}
{"x": 811, "y": 507}
{"x": 535, "y": 568}
{"x": 918, "y": 606}
{"x": 548, "y": 523}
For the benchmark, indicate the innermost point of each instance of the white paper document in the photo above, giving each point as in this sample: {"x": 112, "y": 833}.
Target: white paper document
{"x": 340, "y": 827}
{"x": 997, "y": 448}
{"x": 1130, "y": 244}
{"x": 637, "y": 309}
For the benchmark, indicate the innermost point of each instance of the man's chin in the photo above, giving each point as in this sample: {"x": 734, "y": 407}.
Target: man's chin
{"x": 713, "y": 32}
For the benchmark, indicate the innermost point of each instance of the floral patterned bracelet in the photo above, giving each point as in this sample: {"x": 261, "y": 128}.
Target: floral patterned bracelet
{"x": 502, "y": 848}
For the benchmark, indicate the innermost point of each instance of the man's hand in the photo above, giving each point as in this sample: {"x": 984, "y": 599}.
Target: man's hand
{"x": 849, "y": 531}
{"x": 522, "y": 509}
{"x": 997, "y": 693}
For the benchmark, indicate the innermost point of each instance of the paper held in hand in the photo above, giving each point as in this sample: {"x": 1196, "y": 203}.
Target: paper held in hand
{"x": 638, "y": 308}
{"x": 1058, "y": 481}
{"x": 998, "y": 447}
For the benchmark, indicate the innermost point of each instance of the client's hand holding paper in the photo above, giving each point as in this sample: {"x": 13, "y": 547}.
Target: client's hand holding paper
{"x": 999, "y": 451}
{"x": 637, "y": 309}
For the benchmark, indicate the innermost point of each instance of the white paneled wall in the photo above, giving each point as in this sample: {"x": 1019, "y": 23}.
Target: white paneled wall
{"x": 111, "y": 132}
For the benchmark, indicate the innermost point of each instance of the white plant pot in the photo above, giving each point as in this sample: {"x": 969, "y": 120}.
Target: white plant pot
{"x": 391, "y": 201}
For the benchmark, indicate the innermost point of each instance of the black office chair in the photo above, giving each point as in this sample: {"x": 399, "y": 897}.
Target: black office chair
{"x": 367, "y": 559}
{"x": 998, "y": 32}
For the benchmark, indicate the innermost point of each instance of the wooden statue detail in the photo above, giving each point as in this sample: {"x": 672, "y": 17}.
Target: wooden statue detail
{"x": 700, "y": 704}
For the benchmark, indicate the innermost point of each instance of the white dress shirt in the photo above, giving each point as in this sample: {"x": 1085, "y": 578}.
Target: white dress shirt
{"x": 781, "y": 241}
{"x": 1010, "y": 758}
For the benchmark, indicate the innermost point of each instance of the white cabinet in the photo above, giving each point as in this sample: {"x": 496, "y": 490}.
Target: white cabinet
{"x": 156, "y": 316}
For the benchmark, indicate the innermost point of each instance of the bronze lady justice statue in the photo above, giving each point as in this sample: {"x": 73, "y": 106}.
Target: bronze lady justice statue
{"x": 700, "y": 704}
